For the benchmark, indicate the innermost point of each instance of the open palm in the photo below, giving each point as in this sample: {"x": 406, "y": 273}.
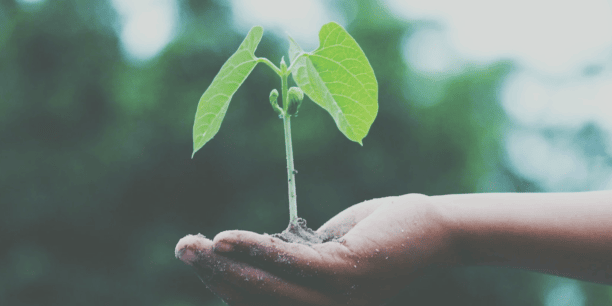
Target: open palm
{"x": 381, "y": 245}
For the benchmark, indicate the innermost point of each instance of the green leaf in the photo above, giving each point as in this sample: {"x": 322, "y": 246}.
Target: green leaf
{"x": 215, "y": 100}
{"x": 339, "y": 78}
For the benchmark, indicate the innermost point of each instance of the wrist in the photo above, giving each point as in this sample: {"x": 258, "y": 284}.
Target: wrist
{"x": 450, "y": 218}
{"x": 440, "y": 228}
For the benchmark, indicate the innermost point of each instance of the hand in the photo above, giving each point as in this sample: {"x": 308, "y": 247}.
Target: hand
{"x": 385, "y": 244}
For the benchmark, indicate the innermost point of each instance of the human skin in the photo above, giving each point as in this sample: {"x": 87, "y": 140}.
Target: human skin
{"x": 387, "y": 243}
{"x": 564, "y": 234}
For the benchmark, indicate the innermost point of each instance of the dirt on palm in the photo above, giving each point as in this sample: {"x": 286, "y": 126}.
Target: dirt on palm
{"x": 303, "y": 234}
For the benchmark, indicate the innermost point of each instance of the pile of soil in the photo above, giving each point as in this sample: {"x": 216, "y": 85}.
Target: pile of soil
{"x": 303, "y": 234}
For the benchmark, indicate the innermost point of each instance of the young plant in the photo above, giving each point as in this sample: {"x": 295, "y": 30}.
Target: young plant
{"x": 337, "y": 76}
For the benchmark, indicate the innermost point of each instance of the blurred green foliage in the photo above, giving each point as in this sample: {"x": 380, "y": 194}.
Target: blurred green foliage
{"x": 97, "y": 184}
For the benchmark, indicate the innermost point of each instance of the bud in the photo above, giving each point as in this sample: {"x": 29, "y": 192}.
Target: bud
{"x": 274, "y": 102}
{"x": 283, "y": 65}
{"x": 296, "y": 95}
{"x": 274, "y": 96}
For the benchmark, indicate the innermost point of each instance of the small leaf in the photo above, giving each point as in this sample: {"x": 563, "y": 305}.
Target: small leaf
{"x": 274, "y": 102}
{"x": 339, "y": 78}
{"x": 215, "y": 100}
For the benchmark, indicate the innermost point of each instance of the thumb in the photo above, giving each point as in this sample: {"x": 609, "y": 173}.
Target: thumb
{"x": 346, "y": 220}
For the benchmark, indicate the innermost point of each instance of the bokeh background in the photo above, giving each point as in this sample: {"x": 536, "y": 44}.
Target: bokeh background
{"x": 97, "y": 100}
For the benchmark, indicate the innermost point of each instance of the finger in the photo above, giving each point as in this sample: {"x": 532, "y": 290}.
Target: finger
{"x": 269, "y": 289}
{"x": 239, "y": 283}
{"x": 290, "y": 260}
{"x": 196, "y": 251}
{"x": 343, "y": 222}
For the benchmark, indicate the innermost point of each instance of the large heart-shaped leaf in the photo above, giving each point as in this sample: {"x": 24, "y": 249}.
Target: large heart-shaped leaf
{"x": 339, "y": 78}
{"x": 215, "y": 100}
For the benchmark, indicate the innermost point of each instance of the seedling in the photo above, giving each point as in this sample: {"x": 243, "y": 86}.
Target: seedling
{"x": 337, "y": 76}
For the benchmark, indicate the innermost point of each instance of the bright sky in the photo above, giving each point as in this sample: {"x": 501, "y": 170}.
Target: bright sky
{"x": 300, "y": 19}
{"x": 147, "y": 26}
{"x": 551, "y": 36}
{"x": 553, "y": 42}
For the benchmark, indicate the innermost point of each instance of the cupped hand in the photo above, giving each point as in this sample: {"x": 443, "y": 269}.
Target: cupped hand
{"x": 381, "y": 246}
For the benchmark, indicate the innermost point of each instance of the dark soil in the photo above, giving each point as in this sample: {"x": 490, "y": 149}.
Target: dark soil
{"x": 303, "y": 234}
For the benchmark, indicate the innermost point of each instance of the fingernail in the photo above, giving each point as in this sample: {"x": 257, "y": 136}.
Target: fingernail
{"x": 223, "y": 247}
{"x": 187, "y": 256}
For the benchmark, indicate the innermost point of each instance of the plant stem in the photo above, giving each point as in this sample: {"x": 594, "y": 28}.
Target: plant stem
{"x": 289, "y": 153}
{"x": 269, "y": 63}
